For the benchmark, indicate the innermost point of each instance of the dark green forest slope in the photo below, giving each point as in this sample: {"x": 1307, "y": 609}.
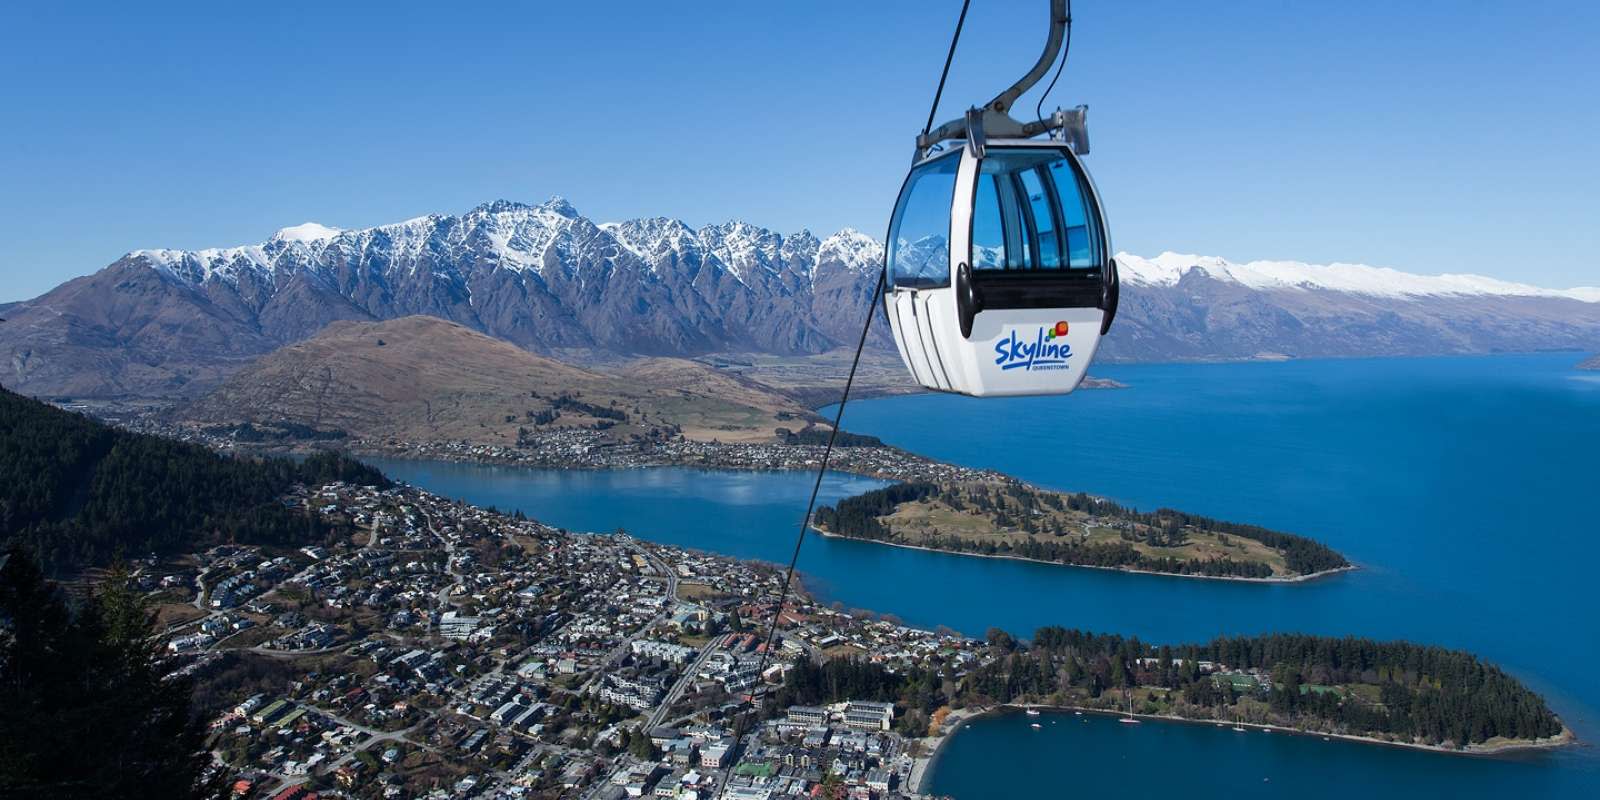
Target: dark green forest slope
{"x": 78, "y": 492}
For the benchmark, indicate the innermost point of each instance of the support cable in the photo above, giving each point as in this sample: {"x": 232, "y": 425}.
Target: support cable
{"x": 1066, "y": 50}
{"x": 833, "y": 435}
{"x": 948, "y": 57}
{"x": 805, "y": 522}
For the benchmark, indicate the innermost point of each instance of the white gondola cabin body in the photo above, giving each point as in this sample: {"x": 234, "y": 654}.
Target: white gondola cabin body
{"x": 999, "y": 272}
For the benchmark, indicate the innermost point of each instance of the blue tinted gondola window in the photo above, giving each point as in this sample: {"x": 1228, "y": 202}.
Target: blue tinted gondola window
{"x": 1083, "y": 241}
{"x": 919, "y": 236}
{"x": 1042, "y": 213}
{"x": 1031, "y": 212}
{"x": 988, "y": 234}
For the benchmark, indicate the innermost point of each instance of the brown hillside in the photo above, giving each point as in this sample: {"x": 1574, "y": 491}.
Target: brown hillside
{"x": 422, "y": 378}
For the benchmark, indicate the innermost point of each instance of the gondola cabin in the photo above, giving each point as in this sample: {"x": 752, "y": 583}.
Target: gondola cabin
{"x": 999, "y": 276}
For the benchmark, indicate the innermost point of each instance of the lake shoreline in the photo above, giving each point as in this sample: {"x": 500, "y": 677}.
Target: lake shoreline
{"x": 911, "y": 467}
{"x": 864, "y": 474}
{"x": 923, "y": 766}
{"x": 1240, "y": 578}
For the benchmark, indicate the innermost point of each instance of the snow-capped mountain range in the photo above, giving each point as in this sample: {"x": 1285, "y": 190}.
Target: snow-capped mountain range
{"x": 521, "y": 238}
{"x": 544, "y": 277}
{"x": 1168, "y": 269}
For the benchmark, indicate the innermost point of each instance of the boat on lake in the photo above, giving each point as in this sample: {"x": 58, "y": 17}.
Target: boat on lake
{"x": 1129, "y": 720}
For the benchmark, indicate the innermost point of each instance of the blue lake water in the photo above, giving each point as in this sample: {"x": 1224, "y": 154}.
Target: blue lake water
{"x": 1464, "y": 487}
{"x": 1096, "y": 756}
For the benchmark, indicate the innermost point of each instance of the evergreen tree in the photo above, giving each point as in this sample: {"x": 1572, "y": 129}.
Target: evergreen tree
{"x": 832, "y": 787}
{"x": 85, "y": 709}
{"x": 640, "y": 746}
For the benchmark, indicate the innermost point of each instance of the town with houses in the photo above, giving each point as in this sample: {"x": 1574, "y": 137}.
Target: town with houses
{"x": 437, "y": 650}
{"x": 591, "y": 448}
{"x": 581, "y": 448}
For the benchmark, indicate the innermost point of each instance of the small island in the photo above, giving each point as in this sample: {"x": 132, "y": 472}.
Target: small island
{"x": 1009, "y": 519}
{"x": 1592, "y": 362}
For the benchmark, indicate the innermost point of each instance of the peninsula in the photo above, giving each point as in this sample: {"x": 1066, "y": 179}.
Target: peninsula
{"x": 1009, "y": 519}
{"x": 1393, "y": 693}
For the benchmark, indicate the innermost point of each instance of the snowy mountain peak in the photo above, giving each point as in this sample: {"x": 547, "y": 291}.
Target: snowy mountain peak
{"x": 501, "y": 207}
{"x": 558, "y": 205}
{"x": 852, "y": 248}
{"x": 306, "y": 232}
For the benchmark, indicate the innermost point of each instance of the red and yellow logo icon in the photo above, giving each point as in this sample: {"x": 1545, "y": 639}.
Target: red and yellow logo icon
{"x": 1057, "y": 332}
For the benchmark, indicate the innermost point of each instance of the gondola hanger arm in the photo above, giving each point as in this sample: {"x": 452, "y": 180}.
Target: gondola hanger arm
{"x": 997, "y": 123}
{"x": 1052, "y": 48}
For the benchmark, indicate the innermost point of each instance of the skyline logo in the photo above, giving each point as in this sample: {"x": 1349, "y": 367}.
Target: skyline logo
{"x": 1046, "y": 349}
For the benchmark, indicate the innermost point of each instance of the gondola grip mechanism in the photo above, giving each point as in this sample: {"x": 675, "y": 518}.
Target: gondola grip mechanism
{"x": 1072, "y": 127}
{"x": 975, "y": 138}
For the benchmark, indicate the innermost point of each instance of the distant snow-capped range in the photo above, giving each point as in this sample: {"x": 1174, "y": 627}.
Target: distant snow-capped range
{"x": 544, "y": 277}
{"x": 1169, "y": 268}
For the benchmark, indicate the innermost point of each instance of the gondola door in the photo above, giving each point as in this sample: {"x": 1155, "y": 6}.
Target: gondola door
{"x": 919, "y": 298}
{"x": 1040, "y": 273}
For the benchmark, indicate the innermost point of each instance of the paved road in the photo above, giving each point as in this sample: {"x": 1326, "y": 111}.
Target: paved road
{"x": 372, "y": 534}
{"x": 671, "y": 577}
{"x": 663, "y": 567}
{"x": 199, "y": 603}
{"x": 683, "y": 682}
{"x": 209, "y": 613}
{"x": 442, "y": 600}
{"x": 373, "y": 735}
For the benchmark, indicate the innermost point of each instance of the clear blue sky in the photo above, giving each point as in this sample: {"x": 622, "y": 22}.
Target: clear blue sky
{"x": 1427, "y": 136}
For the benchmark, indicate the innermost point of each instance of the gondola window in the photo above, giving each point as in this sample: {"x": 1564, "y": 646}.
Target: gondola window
{"x": 919, "y": 237}
{"x": 1030, "y": 213}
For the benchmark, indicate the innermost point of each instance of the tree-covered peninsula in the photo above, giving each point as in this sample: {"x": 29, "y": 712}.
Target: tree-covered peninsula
{"x": 1010, "y": 519}
{"x": 1395, "y": 692}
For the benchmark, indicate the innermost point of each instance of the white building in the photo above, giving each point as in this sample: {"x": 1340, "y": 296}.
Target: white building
{"x": 868, "y": 716}
{"x": 666, "y": 651}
